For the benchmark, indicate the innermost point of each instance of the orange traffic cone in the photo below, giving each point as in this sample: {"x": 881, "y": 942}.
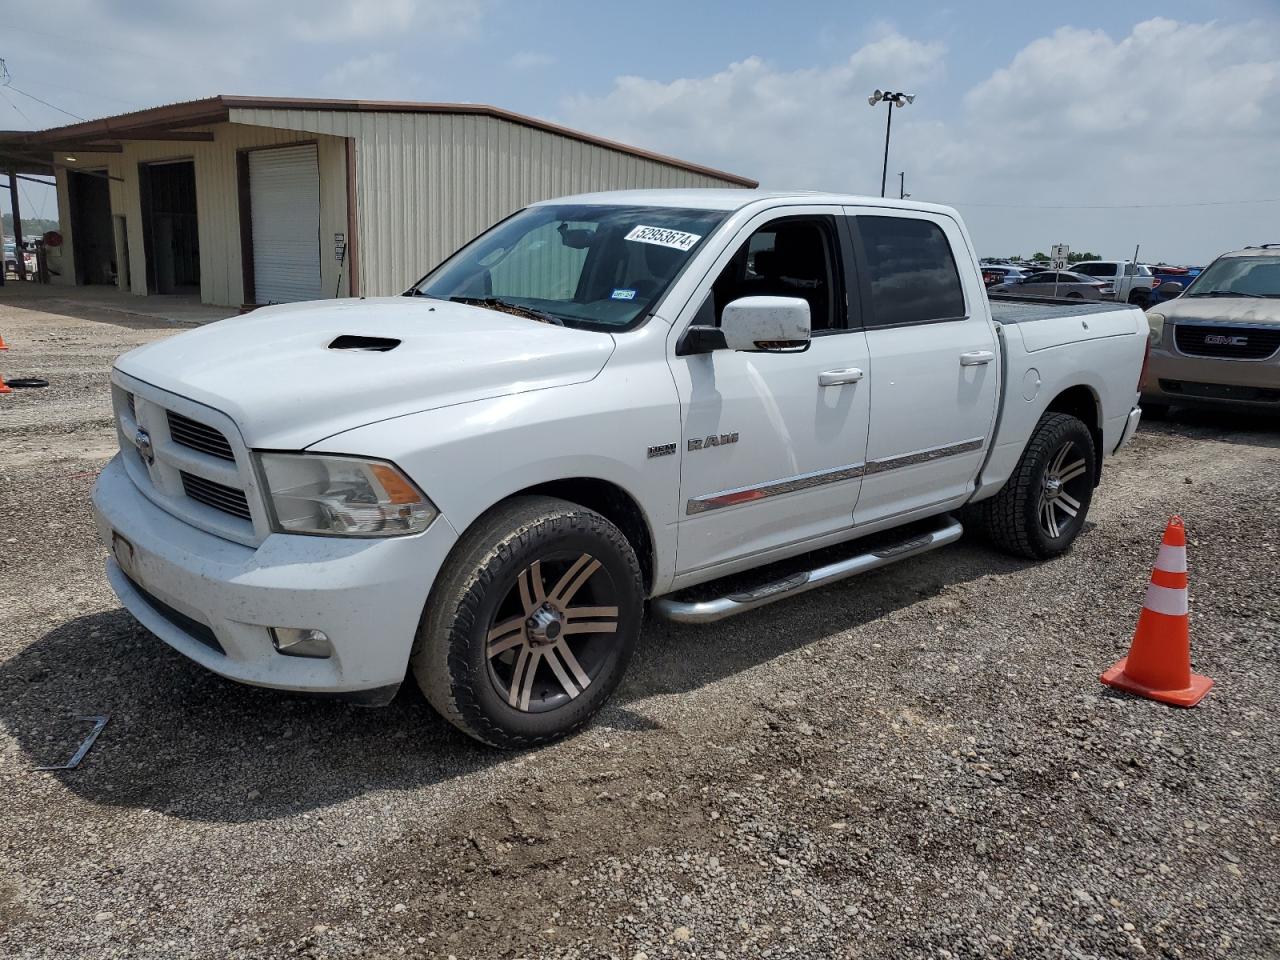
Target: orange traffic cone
{"x": 1159, "y": 662}
{"x": 3, "y": 345}
{"x": 4, "y": 387}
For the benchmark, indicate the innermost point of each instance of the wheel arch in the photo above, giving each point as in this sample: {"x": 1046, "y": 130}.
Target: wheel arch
{"x": 611, "y": 501}
{"x": 1083, "y": 403}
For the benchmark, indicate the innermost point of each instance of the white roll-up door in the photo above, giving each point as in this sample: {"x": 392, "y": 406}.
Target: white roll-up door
{"x": 284, "y": 199}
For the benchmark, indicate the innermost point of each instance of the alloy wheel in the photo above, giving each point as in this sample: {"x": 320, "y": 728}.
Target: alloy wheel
{"x": 546, "y": 644}
{"x": 1062, "y": 490}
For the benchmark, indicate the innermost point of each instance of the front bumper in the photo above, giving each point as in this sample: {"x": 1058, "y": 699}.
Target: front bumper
{"x": 213, "y": 600}
{"x": 1174, "y": 379}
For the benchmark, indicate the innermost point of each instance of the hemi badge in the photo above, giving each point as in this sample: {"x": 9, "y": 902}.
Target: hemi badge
{"x": 662, "y": 450}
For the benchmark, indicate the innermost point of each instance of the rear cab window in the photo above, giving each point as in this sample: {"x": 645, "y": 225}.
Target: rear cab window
{"x": 911, "y": 271}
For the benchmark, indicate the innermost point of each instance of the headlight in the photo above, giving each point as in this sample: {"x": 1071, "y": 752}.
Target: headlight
{"x": 1156, "y": 320}
{"x": 342, "y": 496}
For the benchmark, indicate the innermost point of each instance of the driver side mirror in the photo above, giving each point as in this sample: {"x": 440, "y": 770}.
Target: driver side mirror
{"x": 1171, "y": 287}
{"x": 766, "y": 324}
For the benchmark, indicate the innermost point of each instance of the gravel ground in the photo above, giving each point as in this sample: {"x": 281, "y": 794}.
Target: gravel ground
{"x": 917, "y": 763}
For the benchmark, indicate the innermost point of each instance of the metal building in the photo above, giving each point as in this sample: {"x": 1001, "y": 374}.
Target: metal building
{"x": 253, "y": 200}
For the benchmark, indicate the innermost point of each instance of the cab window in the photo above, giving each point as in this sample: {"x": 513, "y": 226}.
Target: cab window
{"x": 791, "y": 257}
{"x": 911, "y": 271}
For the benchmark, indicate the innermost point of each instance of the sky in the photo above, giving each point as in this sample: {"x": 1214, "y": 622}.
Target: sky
{"x": 1101, "y": 125}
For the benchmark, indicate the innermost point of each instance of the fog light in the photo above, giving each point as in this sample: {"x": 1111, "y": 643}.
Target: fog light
{"x": 297, "y": 642}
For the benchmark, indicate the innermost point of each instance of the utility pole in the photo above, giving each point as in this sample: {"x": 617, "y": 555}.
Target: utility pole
{"x": 17, "y": 223}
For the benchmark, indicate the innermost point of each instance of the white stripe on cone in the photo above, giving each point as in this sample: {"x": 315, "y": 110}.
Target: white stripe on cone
{"x": 1170, "y": 600}
{"x": 1172, "y": 559}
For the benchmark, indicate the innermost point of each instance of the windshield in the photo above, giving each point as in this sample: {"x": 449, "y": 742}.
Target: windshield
{"x": 1238, "y": 277}
{"x": 595, "y": 267}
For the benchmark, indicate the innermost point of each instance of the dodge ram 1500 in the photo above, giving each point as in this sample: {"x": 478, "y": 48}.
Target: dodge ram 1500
{"x": 600, "y": 403}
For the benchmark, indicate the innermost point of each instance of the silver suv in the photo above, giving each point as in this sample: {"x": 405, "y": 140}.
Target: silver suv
{"x": 1219, "y": 342}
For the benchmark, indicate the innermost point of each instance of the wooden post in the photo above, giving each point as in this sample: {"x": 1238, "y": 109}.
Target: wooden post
{"x": 17, "y": 223}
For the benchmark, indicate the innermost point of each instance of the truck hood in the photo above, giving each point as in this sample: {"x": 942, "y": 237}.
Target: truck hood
{"x": 1221, "y": 309}
{"x": 274, "y": 372}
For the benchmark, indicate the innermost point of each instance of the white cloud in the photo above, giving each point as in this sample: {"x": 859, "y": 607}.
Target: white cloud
{"x": 801, "y": 128}
{"x": 1172, "y": 112}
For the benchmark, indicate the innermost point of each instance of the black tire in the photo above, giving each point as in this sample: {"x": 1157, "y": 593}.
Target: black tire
{"x": 488, "y": 583}
{"x": 1013, "y": 518}
{"x": 1140, "y": 297}
{"x": 1154, "y": 411}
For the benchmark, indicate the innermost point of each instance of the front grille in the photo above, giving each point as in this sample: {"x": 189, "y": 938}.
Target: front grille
{"x": 1226, "y": 343}
{"x": 197, "y": 436}
{"x": 188, "y": 625}
{"x": 133, "y": 408}
{"x": 1220, "y": 391}
{"x": 216, "y": 495}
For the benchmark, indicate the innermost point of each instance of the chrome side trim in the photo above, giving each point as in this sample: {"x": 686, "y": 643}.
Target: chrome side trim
{"x": 925, "y": 456}
{"x": 805, "y": 481}
{"x": 708, "y": 611}
{"x": 728, "y": 498}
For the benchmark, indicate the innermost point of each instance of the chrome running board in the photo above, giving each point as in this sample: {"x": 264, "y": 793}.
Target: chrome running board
{"x": 707, "y": 611}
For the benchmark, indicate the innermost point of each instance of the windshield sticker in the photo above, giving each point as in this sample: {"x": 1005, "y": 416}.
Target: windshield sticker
{"x": 677, "y": 239}
{"x": 623, "y": 294}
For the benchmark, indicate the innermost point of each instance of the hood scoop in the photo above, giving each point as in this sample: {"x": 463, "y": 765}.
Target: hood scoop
{"x": 351, "y": 341}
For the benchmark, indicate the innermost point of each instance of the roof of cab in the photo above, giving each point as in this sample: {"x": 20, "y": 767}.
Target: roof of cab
{"x": 730, "y": 199}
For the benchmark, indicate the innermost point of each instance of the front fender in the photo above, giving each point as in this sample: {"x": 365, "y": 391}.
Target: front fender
{"x": 469, "y": 457}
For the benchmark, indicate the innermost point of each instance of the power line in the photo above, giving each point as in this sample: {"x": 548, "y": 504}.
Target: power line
{"x": 1110, "y": 206}
{"x": 31, "y": 96}
{"x": 15, "y": 107}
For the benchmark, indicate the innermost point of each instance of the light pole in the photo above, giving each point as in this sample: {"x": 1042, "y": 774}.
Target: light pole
{"x": 893, "y": 100}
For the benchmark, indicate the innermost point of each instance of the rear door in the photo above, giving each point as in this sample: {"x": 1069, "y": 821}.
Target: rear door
{"x": 934, "y": 361}
{"x": 284, "y": 200}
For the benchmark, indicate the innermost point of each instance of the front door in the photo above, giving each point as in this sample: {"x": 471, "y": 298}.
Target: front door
{"x": 770, "y": 455}
{"x": 934, "y": 362}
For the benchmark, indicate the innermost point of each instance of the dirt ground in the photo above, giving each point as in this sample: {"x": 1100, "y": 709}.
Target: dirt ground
{"x": 916, "y": 763}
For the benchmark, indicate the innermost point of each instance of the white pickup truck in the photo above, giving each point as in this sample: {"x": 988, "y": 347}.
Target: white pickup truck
{"x": 603, "y": 400}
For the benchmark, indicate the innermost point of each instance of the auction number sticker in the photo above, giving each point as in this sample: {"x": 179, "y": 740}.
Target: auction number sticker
{"x": 677, "y": 239}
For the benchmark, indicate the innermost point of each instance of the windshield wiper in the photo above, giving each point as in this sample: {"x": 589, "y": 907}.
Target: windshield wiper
{"x": 506, "y": 306}
{"x": 1229, "y": 293}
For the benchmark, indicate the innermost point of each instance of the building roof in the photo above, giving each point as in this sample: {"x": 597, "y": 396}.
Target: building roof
{"x": 34, "y": 146}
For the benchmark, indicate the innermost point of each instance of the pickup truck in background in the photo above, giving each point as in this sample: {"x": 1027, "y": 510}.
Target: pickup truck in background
{"x": 601, "y": 402}
{"x": 1129, "y": 282}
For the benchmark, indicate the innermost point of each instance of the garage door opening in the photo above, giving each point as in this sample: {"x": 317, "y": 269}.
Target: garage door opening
{"x": 170, "y": 230}
{"x": 282, "y": 188}
{"x": 92, "y": 234}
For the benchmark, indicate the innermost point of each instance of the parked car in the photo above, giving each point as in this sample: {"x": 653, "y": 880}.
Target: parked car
{"x": 1063, "y": 284}
{"x": 601, "y": 400}
{"x": 991, "y": 275}
{"x": 1181, "y": 276}
{"x": 1129, "y": 282}
{"x": 1218, "y": 343}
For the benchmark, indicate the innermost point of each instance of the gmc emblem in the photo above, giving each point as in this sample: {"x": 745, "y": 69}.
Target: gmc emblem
{"x": 1221, "y": 339}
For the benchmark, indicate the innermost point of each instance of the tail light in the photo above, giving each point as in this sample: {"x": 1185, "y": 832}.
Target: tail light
{"x": 1155, "y": 282}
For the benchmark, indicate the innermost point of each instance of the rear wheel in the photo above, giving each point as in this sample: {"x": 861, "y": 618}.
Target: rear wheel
{"x": 1042, "y": 508}
{"x": 531, "y": 624}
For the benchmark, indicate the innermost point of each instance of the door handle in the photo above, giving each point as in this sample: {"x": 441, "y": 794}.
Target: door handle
{"x": 976, "y": 358}
{"x": 833, "y": 378}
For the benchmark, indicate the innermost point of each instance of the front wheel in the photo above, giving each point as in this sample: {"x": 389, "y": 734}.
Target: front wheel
{"x": 1041, "y": 509}
{"x": 531, "y": 623}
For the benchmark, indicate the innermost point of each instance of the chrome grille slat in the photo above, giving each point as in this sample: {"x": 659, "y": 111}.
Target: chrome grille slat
{"x": 199, "y": 436}
{"x": 211, "y": 494}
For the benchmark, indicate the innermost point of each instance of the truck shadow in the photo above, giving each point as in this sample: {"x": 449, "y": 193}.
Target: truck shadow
{"x": 189, "y": 744}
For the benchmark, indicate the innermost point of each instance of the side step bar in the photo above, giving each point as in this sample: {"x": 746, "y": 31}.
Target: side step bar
{"x": 707, "y": 611}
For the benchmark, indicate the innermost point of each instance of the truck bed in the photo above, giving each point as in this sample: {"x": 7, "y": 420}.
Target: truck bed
{"x": 1026, "y": 309}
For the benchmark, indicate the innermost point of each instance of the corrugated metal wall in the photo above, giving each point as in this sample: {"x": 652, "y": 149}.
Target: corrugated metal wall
{"x": 217, "y": 203}
{"x": 427, "y": 183}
